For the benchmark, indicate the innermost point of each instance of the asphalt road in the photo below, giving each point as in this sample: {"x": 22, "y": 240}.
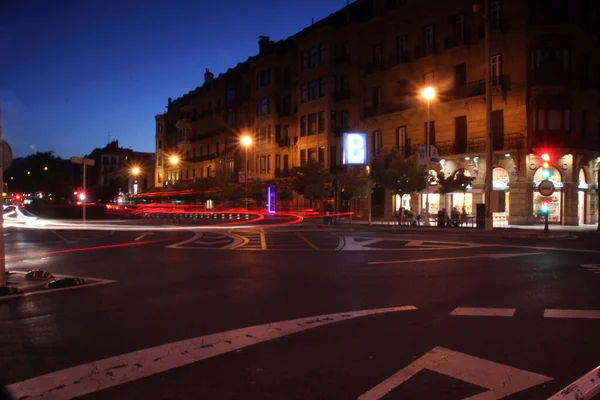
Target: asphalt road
{"x": 173, "y": 286}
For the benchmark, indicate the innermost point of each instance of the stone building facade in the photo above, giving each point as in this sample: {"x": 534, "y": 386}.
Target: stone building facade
{"x": 362, "y": 69}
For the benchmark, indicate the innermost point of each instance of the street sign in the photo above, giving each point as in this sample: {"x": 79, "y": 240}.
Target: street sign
{"x": 546, "y": 188}
{"x": 81, "y": 160}
{"x": 7, "y": 155}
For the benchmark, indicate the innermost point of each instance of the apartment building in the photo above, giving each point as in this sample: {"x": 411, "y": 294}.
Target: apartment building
{"x": 363, "y": 69}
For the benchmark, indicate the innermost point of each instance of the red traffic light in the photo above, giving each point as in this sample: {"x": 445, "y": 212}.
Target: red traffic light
{"x": 546, "y": 157}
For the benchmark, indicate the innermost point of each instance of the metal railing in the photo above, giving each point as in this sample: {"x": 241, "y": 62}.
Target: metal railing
{"x": 507, "y": 141}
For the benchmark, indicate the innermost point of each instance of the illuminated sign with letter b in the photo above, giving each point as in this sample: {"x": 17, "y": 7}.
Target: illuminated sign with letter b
{"x": 355, "y": 148}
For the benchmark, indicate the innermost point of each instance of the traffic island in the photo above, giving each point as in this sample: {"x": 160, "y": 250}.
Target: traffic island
{"x": 26, "y": 283}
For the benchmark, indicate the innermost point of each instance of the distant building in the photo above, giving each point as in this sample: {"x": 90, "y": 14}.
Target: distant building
{"x": 122, "y": 171}
{"x": 363, "y": 68}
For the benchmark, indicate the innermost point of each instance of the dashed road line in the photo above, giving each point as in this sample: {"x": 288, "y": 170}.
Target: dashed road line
{"x": 263, "y": 240}
{"x": 594, "y": 268}
{"x": 308, "y": 242}
{"x": 484, "y": 312}
{"x": 573, "y": 314}
{"x": 113, "y": 371}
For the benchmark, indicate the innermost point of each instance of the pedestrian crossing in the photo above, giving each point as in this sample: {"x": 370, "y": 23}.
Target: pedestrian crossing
{"x": 76, "y": 236}
{"x": 265, "y": 240}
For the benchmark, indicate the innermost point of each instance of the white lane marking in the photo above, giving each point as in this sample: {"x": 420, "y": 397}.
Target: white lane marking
{"x": 576, "y": 314}
{"x": 585, "y": 388}
{"x": 594, "y": 268}
{"x": 495, "y": 256}
{"x": 350, "y": 243}
{"x": 484, "y": 312}
{"x": 97, "y": 282}
{"x": 64, "y": 239}
{"x": 548, "y": 248}
{"x": 501, "y": 380}
{"x": 263, "y": 240}
{"x": 124, "y": 368}
{"x": 143, "y": 235}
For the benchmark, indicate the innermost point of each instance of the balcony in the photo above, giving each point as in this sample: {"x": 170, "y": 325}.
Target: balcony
{"x": 557, "y": 76}
{"x": 283, "y": 173}
{"x": 341, "y": 95}
{"x": 457, "y": 40}
{"x": 477, "y": 88}
{"x": 205, "y": 157}
{"x": 376, "y": 66}
{"x": 383, "y": 109}
{"x": 338, "y": 132}
{"x": 504, "y": 142}
{"x": 397, "y": 59}
{"x": 342, "y": 58}
{"x": 283, "y": 142}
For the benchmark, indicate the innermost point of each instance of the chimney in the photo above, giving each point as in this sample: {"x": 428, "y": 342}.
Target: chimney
{"x": 263, "y": 44}
{"x": 169, "y": 102}
{"x": 208, "y": 76}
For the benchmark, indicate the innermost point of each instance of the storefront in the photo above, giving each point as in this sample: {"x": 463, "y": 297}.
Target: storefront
{"x": 500, "y": 183}
{"x": 556, "y": 200}
{"x": 582, "y": 194}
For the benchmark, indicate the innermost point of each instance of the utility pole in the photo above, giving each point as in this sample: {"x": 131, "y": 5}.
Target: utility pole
{"x": 84, "y": 162}
{"x": 2, "y": 253}
{"x": 489, "y": 154}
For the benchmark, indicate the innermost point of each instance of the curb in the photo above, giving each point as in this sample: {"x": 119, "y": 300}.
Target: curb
{"x": 39, "y": 275}
{"x": 585, "y": 388}
{"x": 9, "y": 291}
{"x": 64, "y": 282}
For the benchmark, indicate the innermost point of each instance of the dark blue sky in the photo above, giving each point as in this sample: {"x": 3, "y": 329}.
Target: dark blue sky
{"x": 73, "y": 72}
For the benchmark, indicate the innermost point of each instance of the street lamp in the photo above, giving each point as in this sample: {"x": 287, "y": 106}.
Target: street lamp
{"x": 428, "y": 94}
{"x": 135, "y": 171}
{"x": 246, "y": 142}
{"x": 485, "y": 14}
{"x": 174, "y": 160}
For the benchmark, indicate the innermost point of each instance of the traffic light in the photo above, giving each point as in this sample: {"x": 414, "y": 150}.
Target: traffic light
{"x": 545, "y": 208}
{"x": 546, "y": 173}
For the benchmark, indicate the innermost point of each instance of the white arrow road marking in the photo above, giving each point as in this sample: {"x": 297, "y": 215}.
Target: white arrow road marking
{"x": 98, "y": 375}
{"x": 350, "y": 243}
{"x": 143, "y": 235}
{"x": 500, "y": 380}
{"x": 237, "y": 242}
{"x": 580, "y": 314}
{"x": 595, "y": 268}
{"x": 226, "y": 241}
{"x": 484, "y": 312}
{"x": 495, "y": 256}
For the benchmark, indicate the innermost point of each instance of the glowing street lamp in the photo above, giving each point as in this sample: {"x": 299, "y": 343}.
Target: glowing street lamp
{"x": 246, "y": 141}
{"x": 174, "y": 160}
{"x": 428, "y": 94}
{"x": 135, "y": 171}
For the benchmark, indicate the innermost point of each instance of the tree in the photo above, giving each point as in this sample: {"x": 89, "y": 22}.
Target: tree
{"x": 312, "y": 181}
{"x": 458, "y": 182}
{"x": 400, "y": 175}
{"x": 354, "y": 183}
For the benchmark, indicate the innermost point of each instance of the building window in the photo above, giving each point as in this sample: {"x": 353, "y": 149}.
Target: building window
{"x": 322, "y": 53}
{"x": 344, "y": 85}
{"x": 377, "y": 142}
{"x": 312, "y": 90}
{"x": 263, "y": 164}
{"x": 277, "y": 162}
{"x": 496, "y": 71}
{"x": 230, "y": 117}
{"x": 431, "y": 132}
{"x": 333, "y": 120}
{"x": 401, "y": 48}
{"x": 304, "y": 61}
{"x": 312, "y": 155}
{"x": 429, "y": 79}
{"x": 303, "y": 157}
{"x": 377, "y": 96}
{"x": 304, "y": 93}
{"x": 230, "y": 95}
{"x": 312, "y": 58}
{"x": 584, "y": 69}
{"x": 377, "y": 54}
{"x": 160, "y": 144}
{"x": 269, "y": 164}
{"x": 344, "y": 119}
{"x": 321, "y": 155}
{"x": 401, "y": 138}
{"x": 321, "y": 121}
{"x": 286, "y": 163}
{"x": 269, "y": 133}
{"x": 459, "y": 29}
{"x": 429, "y": 39}
{"x": 160, "y": 161}
{"x": 312, "y": 123}
{"x": 496, "y": 14}
{"x": 322, "y": 87}
{"x": 303, "y": 125}
{"x": 160, "y": 178}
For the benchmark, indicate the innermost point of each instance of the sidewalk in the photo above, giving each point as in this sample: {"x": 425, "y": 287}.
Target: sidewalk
{"x": 517, "y": 231}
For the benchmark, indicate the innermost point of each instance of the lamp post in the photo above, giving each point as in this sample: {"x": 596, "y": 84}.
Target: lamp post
{"x": 135, "y": 172}
{"x": 428, "y": 94}
{"x": 489, "y": 218}
{"x": 174, "y": 161}
{"x": 246, "y": 142}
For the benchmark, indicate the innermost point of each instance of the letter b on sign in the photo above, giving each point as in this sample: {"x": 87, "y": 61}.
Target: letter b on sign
{"x": 355, "y": 148}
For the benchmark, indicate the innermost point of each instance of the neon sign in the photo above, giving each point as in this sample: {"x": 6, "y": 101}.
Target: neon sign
{"x": 355, "y": 148}
{"x": 271, "y": 198}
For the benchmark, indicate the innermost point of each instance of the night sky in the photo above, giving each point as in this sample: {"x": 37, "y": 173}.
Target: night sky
{"x": 75, "y": 73}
